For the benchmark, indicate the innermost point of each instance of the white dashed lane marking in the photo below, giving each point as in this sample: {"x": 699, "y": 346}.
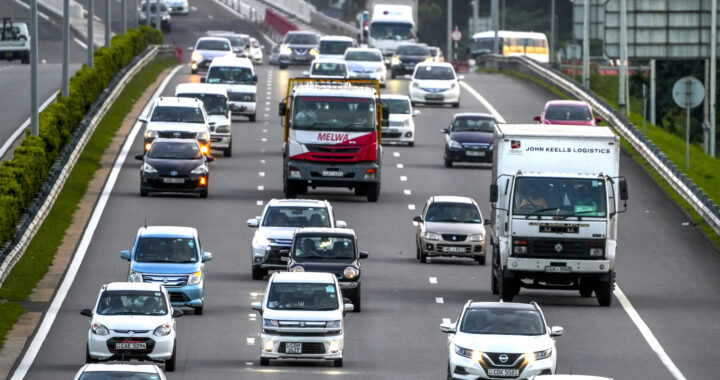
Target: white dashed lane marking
{"x": 261, "y": 174}
{"x": 400, "y": 166}
{"x": 396, "y": 154}
{"x": 407, "y": 192}
{"x": 259, "y": 203}
{"x": 403, "y": 178}
{"x": 433, "y": 280}
{"x": 262, "y": 161}
{"x": 439, "y": 300}
{"x": 250, "y": 341}
{"x": 264, "y": 139}
{"x": 411, "y": 207}
{"x": 261, "y": 187}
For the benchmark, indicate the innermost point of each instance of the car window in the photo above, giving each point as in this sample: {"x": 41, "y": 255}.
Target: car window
{"x": 329, "y": 68}
{"x": 213, "y": 45}
{"x": 502, "y": 321}
{"x": 166, "y": 250}
{"x": 442, "y": 212}
{"x": 391, "y": 30}
{"x": 230, "y": 75}
{"x": 435, "y": 73}
{"x": 324, "y": 248}
{"x": 412, "y": 50}
{"x": 215, "y": 104}
{"x": 172, "y": 150}
{"x": 469, "y": 124}
{"x": 132, "y": 302}
{"x": 177, "y": 114}
{"x": 285, "y": 216}
{"x": 120, "y": 375}
{"x": 568, "y": 112}
{"x": 302, "y": 296}
{"x": 368, "y": 56}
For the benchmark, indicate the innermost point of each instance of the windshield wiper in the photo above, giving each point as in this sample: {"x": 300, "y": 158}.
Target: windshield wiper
{"x": 534, "y": 212}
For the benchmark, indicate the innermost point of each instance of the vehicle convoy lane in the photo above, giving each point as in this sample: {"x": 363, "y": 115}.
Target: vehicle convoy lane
{"x": 666, "y": 270}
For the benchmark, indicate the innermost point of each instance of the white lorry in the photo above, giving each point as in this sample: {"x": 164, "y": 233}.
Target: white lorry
{"x": 391, "y": 24}
{"x": 14, "y": 41}
{"x": 555, "y": 198}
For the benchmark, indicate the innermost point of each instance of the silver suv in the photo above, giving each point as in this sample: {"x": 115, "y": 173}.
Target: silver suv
{"x": 276, "y": 227}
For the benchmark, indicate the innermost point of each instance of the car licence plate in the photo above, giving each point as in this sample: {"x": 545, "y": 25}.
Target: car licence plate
{"x": 503, "y": 372}
{"x": 293, "y": 348}
{"x": 558, "y": 269}
{"x": 474, "y": 153}
{"x": 454, "y": 249}
{"x": 434, "y": 97}
{"x": 130, "y": 346}
{"x": 332, "y": 173}
{"x": 174, "y": 180}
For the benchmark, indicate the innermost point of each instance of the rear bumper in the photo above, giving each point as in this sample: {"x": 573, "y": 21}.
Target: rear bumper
{"x": 242, "y": 108}
{"x": 468, "y": 155}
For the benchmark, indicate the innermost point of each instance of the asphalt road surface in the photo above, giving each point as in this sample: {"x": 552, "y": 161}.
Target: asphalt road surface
{"x": 666, "y": 269}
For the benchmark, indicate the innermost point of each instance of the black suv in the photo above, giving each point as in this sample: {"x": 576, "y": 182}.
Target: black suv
{"x": 330, "y": 250}
{"x": 406, "y": 57}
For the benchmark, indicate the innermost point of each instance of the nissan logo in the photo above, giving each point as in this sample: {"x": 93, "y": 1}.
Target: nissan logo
{"x": 174, "y": 173}
{"x": 302, "y": 324}
{"x": 176, "y": 134}
{"x": 165, "y": 280}
{"x": 454, "y": 237}
{"x": 131, "y": 332}
{"x": 503, "y": 358}
{"x": 558, "y": 247}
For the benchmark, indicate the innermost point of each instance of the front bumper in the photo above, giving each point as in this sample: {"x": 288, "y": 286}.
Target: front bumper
{"x": 378, "y": 76}
{"x": 158, "y": 183}
{"x": 349, "y": 288}
{"x": 403, "y": 68}
{"x": 188, "y": 295}
{"x": 469, "y": 249}
{"x": 468, "y": 155}
{"x": 270, "y": 257}
{"x": 398, "y": 134}
{"x": 220, "y": 140}
{"x": 158, "y": 347}
{"x": 312, "y": 173}
{"x": 242, "y": 108}
{"x": 517, "y": 264}
{"x": 448, "y": 96}
{"x": 462, "y": 367}
{"x": 296, "y": 59}
{"x": 318, "y": 347}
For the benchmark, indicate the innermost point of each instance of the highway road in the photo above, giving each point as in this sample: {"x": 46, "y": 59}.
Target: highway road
{"x": 666, "y": 269}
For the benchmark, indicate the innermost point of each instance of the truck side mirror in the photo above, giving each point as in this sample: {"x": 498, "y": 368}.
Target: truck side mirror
{"x": 255, "y": 79}
{"x": 623, "y": 189}
{"x": 493, "y": 193}
{"x": 281, "y": 108}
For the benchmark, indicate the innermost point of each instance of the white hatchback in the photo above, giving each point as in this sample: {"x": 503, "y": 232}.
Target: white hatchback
{"x": 400, "y": 127}
{"x": 496, "y": 339}
{"x": 435, "y": 83}
{"x": 132, "y": 321}
{"x": 120, "y": 371}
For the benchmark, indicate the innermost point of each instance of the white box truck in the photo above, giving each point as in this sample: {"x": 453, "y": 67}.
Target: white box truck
{"x": 391, "y": 24}
{"x": 555, "y": 198}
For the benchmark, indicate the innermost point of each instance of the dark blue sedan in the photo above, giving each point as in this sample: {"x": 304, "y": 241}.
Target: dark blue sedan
{"x": 469, "y": 138}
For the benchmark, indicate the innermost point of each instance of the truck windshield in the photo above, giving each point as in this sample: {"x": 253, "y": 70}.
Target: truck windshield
{"x": 391, "y": 31}
{"x": 313, "y": 248}
{"x": 334, "y": 113}
{"x": 230, "y": 75}
{"x": 559, "y": 197}
{"x": 215, "y": 104}
{"x": 299, "y": 296}
{"x": 334, "y": 47}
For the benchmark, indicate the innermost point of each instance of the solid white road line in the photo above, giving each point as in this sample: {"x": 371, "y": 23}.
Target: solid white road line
{"x": 484, "y": 102}
{"x": 72, "y": 270}
{"x": 648, "y": 335}
{"x": 80, "y": 42}
{"x": 21, "y": 129}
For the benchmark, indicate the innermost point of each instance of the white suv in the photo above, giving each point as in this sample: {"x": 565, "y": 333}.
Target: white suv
{"x": 132, "y": 321}
{"x": 173, "y": 117}
{"x": 302, "y": 317}
{"x": 496, "y": 339}
{"x": 277, "y": 225}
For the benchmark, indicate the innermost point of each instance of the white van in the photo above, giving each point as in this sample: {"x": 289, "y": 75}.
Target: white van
{"x": 215, "y": 100}
{"x": 333, "y": 47}
{"x": 238, "y": 76}
{"x": 302, "y": 317}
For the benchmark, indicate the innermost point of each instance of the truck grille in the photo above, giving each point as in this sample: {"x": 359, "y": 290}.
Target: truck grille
{"x": 560, "y": 248}
{"x": 332, "y": 149}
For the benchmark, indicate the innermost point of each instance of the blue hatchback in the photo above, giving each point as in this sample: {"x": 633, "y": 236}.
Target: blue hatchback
{"x": 171, "y": 256}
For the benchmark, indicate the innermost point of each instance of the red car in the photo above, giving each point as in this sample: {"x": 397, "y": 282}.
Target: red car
{"x": 568, "y": 112}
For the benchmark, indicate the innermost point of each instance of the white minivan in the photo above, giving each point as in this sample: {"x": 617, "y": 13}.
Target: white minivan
{"x": 238, "y": 75}
{"x": 302, "y": 317}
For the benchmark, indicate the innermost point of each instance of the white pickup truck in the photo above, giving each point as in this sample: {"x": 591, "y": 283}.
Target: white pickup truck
{"x": 14, "y": 41}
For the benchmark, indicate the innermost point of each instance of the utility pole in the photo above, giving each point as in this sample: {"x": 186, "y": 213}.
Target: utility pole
{"x": 475, "y": 11}
{"x": 622, "y": 101}
{"x": 158, "y": 21}
{"x": 552, "y": 30}
{"x": 90, "y": 38}
{"x": 652, "y": 92}
{"x": 495, "y": 17}
{"x": 713, "y": 73}
{"x": 449, "y": 29}
{"x": 123, "y": 17}
{"x": 66, "y": 49}
{"x": 107, "y": 24}
{"x": 136, "y": 22}
{"x": 586, "y": 45}
{"x": 33, "y": 69}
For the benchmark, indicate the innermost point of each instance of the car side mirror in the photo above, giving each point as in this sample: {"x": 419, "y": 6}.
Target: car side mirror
{"x": 417, "y": 219}
{"x": 177, "y": 313}
{"x": 256, "y": 306}
{"x": 143, "y": 119}
{"x": 281, "y": 108}
{"x": 125, "y": 255}
{"x": 598, "y": 119}
{"x": 447, "y": 327}
{"x": 255, "y": 78}
{"x": 254, "y": 222}
{"x": 364, "y": 255}
{"x": 556, "y": 331}
{"x": 212, "y": 123}
{"x": 493, "y": 193}
{"x": 416, "y": 112}
{"x": 537, "y": 118}
{"x": 445, "y": 130}
{"x": 206, "y": 256}
{"x": 340, "y": 224}
{"x": 202, "y": 79}
{"x": 140, "y": 157}
{"x": 86, "y": 312}
{"x": 348, "y": 307}
{"x": 623, "y": 189}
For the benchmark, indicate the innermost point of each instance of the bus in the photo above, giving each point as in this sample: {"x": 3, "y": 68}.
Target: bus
{"x": 530, "y": 44}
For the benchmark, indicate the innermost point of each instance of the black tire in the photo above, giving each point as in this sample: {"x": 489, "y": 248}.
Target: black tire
{"x": 301, "y": 189}
{"x": 373, "y": 192}
{"x": 359, "y": 190}
{"x": 411, "y": 143}
{"x": 203, "y": 194}
{"x": 423, "y": 257}
{"x": 170, "y": 363}
{"x": 264, "y": 362}
{"x": 227, "y": 152}
{"x": 448, "y": 163}
{"x": 586, "y": 287}
{"x": 89, "y": 359}
{"x": 25, "y": 60}
{"x": 480, "y": 260}
{"x": 383, "y": 85}
{"x": 251, "y": 117}
{"x": 282, "y": 66}
{"x": 413, "y": 103}
{"x": 193, "y": 71}
{"x": 338, "y": 362}
{"x": 143, "y": 193}
{"x": 289, "y": 189}
{"x": 456, "y": 105}
{"x": 494, "y": 272}
{"x": 507, "y": 288}
{"x": 198, "y": 310}
{"x": 392, "y": 74}
{"x": 449, "y": 375}
{"x": 357, "y": 300}
{"x": 417, "y": 252}
{"x": 257, "y": 273}
{"x": 604, "y": 290}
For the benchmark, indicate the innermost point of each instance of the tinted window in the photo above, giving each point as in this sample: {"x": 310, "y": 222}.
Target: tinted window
{"x": 132, "y": 302}
{"x": 435, "y": 72}
{"x": 175, "y": 150}
{"x": 230, "y": 75}
{"x": 166, "y": 250}
{"x": 177, "y": 114}
{"x": 371, "y": 56}
{"x": 301, "y": 39}
{"x": 401, "y": 106}
{"x": 324, "y": 248}
{"x": 215, "y": 104}
{"x": 501, "y": 321}
{"x": 470, "y": 124}
{"x": 297, "y": 296}
{"x": 453, "y": 213}
{"x": 213, "y": 45}
{"x": 334, "y": 47}
{"x": 412, "y": 50}
{"x": 281, "y": 216}
{"x": 568, "y": 112}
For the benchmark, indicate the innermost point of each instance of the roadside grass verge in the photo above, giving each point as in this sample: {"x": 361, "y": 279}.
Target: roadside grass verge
{"x": 39, "y": 255}
{"x": 704, "y": 170}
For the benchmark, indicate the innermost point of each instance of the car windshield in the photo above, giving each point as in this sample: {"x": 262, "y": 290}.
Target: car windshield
{"x": 132, "y": 302}
{"x": 435, "y": 73}
{"x": 313, "y": 248}
{"x": 412, "y": 50}
{"x": 441, "y": 212}
{"x": 235, "y": 41}
{"x": 286, "y": 216}
{"x": 166, "y": 250}
{"x": 502, "y": 321}
{"x": 367, "y": 56}
{"x": 302, "y": 296}
{"x": 334, "y": 47}
{"x": 213, "y": 45}
{"x": 175, "y": 150}
{"x": 568, "y": 112}
{"x": 118, "y": 375}
{"x": 401, "y": 106}
{"x": 215, "y": 104}
{"x": 473, "y": 124}
{"x": 334, "y": 113}
{"x": 177, "y": 114}
{"x": 300, "y": 39}
{"x": 329, "y": 69}
{"x": 391, "y": 31}
{"x": 230, "y": 75}
{"x": 559, "y": 197}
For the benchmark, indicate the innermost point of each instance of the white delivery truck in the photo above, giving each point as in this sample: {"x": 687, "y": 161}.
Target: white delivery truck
{"x": 391, "y": 24}
{"x": 555, "y": 198}
{"x": 14, "y": 41}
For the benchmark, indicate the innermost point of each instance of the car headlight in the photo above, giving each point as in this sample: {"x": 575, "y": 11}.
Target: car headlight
{"x": 202, "y": 169}
{"x": 333, "y": 324}
{"x": 166, "y": 17}
{"x": 597, "y": 252}
{"x": 270, "y": 322}
{"x": 380, "y": 69}
{"x": 99, "y": 329}
{"x": 285, "y": 51}
{"x": 148, "y": 169}
{"x": 406, "y": 123}
{"x": 151, "y": 134}
{"x": 416, "y": 85}
{"x": 162, "y": 330}
{"x": 431, "y": 236}
{"x": 468, "y": 353}
{"x": 429, "y": 59}
{"x": 196, "y": 57}
{"x": 297, "y": 269}
{"x": 203, "y": 136}
{"x": 195, "y": 278}
{"x": 135, "y": 277}
{"x": 351, "y": 273}
{"x": 394, "y": 61}
{"x": 334, "y": 346}
{"x": 454, "y": 144}
{"x": 476, "y": 237}
{"x": 314, "y": 52}
{"x": 263, "y": 241}
{"x": 539, "y": 355}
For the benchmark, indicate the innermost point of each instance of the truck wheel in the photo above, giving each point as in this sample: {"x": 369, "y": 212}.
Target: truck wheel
{"x": 264, "y": 362}
{"x": 289, "y": 189}
{"x": 373, "y": 192}
{"x": 25, "y": 60}
{"x": 356, "y": 300}
{"x": 604, "y": 290}
{"x": 586, "y": 287}
{"x": 251, "y": 117}
{"x": 257, "y": 273}
{"x": 480, "y": 260}
{"x": 507, "y": 288}
{"x": 495, "y": 272}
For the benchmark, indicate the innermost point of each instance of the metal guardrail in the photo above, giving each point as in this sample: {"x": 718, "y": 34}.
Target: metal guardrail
{"x": 40, "y": 207}
{"x": 684, "y": 186}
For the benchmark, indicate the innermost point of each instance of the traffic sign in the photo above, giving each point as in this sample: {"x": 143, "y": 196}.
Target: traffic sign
{"x": 688, "y": 92}
{"x": 456, "y": 35}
